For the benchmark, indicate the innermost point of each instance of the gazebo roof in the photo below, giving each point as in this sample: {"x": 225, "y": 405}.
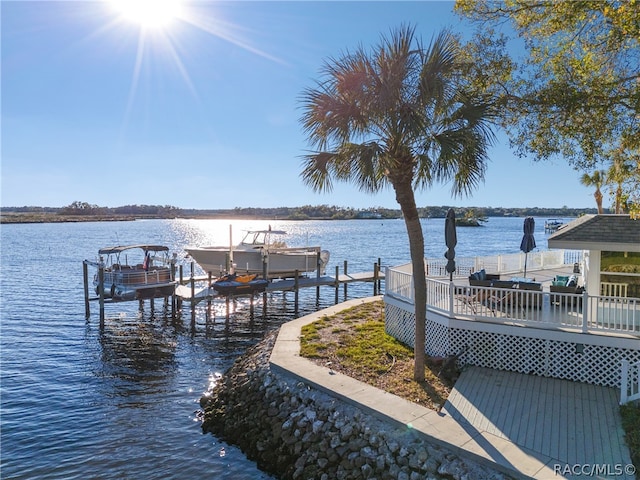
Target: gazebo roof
{"x": 616, "y": 233}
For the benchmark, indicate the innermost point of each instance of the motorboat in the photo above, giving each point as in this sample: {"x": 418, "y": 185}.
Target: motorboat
{"x": 135, "y": 272}
{"x": 232, "y": 284}
{"x": 260, "y": 252}
{"x": 553, "y": 224}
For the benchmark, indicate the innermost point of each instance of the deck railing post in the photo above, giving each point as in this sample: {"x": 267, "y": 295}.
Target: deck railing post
{"x": 624, "y": 382}
{"x": 586, "y": 306}
{"x": 451, "y": 290}
{"x": 337, "y": 283}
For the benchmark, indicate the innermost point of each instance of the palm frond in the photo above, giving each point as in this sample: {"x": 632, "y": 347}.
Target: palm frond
{"x": 399, "y": 113}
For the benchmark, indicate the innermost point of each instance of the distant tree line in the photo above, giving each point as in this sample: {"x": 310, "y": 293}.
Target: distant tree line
{"x": 84, "y": 208}
{"x": 306, "y": 212}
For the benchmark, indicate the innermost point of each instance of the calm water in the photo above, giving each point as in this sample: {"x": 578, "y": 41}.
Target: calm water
{"x": 78, "y": 402}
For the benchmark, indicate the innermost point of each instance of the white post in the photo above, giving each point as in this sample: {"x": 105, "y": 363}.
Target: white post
{"x": 230, "y": 244}
{"x": 585, "y": 311}
{"x": 624, "y": 382}
{"x": 451, "y": 291}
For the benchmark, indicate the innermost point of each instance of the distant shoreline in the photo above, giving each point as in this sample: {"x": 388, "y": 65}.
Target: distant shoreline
{"x": 22, "y": 218}
{"x": 84, "y": 212}
{"x": 18, "y": 218}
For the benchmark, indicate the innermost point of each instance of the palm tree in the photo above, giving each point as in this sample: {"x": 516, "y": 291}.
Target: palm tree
{"x": 595, "y": 180}
{"x": 399, "y": 116}
{"x": 620, "y": 171}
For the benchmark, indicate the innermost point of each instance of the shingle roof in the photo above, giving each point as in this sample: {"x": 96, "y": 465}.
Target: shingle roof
{"x": 599, "y": 232}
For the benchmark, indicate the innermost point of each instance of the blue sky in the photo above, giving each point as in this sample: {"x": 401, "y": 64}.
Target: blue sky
{"x": 204, "y": 112}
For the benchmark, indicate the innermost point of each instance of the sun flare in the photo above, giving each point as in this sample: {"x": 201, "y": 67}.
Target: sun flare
{"x": 149, "y": 13}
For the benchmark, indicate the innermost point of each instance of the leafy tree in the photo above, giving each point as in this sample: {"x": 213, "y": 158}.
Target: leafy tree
{"x": 576, "y": 90}
{"x": 400, "y": 116}
{"x": 595, "y": 180}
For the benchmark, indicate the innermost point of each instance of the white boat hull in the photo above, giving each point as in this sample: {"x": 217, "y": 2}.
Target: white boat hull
{"x": 278, "y": 263}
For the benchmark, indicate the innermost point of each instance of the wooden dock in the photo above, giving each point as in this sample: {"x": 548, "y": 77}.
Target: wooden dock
{"x": 194, "y": 289}
{"x": 197, "y": 288}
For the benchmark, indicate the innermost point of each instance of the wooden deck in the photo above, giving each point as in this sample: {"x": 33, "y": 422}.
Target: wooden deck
{"x": 203, "y": 292}
{"x": 569, "y": 422}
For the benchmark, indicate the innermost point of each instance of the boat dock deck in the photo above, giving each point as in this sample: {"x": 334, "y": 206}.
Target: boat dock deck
{"x": 188, "y": 291}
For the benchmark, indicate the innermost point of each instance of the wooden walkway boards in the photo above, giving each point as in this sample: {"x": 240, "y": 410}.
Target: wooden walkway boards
{"x": 203, "y": 292}
{"x": 571, "y": 423}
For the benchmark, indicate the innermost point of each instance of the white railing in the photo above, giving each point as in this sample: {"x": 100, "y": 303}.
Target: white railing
{"x": 610, "y": 289}
{"x": 629, "y": 382}
{"x": 137, "y": 277}
{"x": 508, "y": 263}
{"x": 614, "y": 313}
{"x": 540, "y": 309}
{"x": 400, "y": 283}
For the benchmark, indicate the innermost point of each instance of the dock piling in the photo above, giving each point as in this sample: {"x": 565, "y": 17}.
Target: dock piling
{"x": 375, "y": 279}
{"x": 85, "y": 277}
{"x": 101, "y": 296}
{"x": 345, "y": 283}
{"x": 296, "y": 285}
{"x": 318, "y": 274}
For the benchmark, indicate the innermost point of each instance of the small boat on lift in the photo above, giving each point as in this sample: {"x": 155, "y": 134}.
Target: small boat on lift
{"x": 552, "y": 224}
{"x": 261, "y": 252}
{"x": 233, "y": 284}
{"x": 135, "y": 272}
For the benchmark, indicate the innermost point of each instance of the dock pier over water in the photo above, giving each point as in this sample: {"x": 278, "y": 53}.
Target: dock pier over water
{"x": 193, "y": 289}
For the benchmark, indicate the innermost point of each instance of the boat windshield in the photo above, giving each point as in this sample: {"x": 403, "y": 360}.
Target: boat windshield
{"x": 260, "y": 238}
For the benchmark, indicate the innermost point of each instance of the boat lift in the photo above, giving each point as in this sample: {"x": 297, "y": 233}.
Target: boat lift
{"x": 194, "y": 289}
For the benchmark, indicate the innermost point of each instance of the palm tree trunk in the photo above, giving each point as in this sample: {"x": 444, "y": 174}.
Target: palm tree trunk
{"x": 598, "y": 197}
{"x": 619, "y": 200}
{"x": 407, "y": 202}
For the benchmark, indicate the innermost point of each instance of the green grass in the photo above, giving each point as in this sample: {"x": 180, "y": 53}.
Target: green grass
{"x": 363, "y": 343}
{"x": 372, "y": 349}
{"x": 631, "y": 424}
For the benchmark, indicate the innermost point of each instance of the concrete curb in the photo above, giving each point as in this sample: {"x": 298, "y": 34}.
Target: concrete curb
{"x": 438, "y": 428}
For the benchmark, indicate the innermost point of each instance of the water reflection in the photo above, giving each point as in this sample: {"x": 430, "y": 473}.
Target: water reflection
{"x": 138, "y": 355}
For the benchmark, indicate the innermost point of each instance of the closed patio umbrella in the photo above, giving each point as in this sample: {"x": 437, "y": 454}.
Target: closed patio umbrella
{"x": 451, "y": 239}
{"x": 528, "y": 242}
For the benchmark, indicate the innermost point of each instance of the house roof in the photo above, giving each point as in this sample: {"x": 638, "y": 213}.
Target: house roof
{"x": 616, "y": 233}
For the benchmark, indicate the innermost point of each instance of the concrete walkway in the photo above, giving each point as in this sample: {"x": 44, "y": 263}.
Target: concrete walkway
{"x": 525, "y": 426}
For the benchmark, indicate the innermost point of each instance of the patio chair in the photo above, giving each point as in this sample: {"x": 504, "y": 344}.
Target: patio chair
{"x": 505, "y": 304}
{"x": 472, "y": 301}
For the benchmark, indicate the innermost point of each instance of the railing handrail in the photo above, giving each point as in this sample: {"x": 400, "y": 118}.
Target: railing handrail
{"x": 506, "y": 263}
{"x": 540, "y": 309}
{"x": 153, "y": 276}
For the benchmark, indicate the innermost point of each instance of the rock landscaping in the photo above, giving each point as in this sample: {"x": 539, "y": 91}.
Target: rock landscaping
{"x": 295, "y": 432}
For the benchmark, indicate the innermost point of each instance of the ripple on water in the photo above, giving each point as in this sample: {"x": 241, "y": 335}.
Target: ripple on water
{"x": 121, "y": 402}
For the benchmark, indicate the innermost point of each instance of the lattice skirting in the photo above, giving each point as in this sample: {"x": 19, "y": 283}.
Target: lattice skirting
{"x": 581, "y": 362}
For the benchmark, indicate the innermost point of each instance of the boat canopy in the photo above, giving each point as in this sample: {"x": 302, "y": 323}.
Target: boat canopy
{"x": 122, "y": 248}
{"x": 259, "y": 238}
{"x": 266, "y": 232}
